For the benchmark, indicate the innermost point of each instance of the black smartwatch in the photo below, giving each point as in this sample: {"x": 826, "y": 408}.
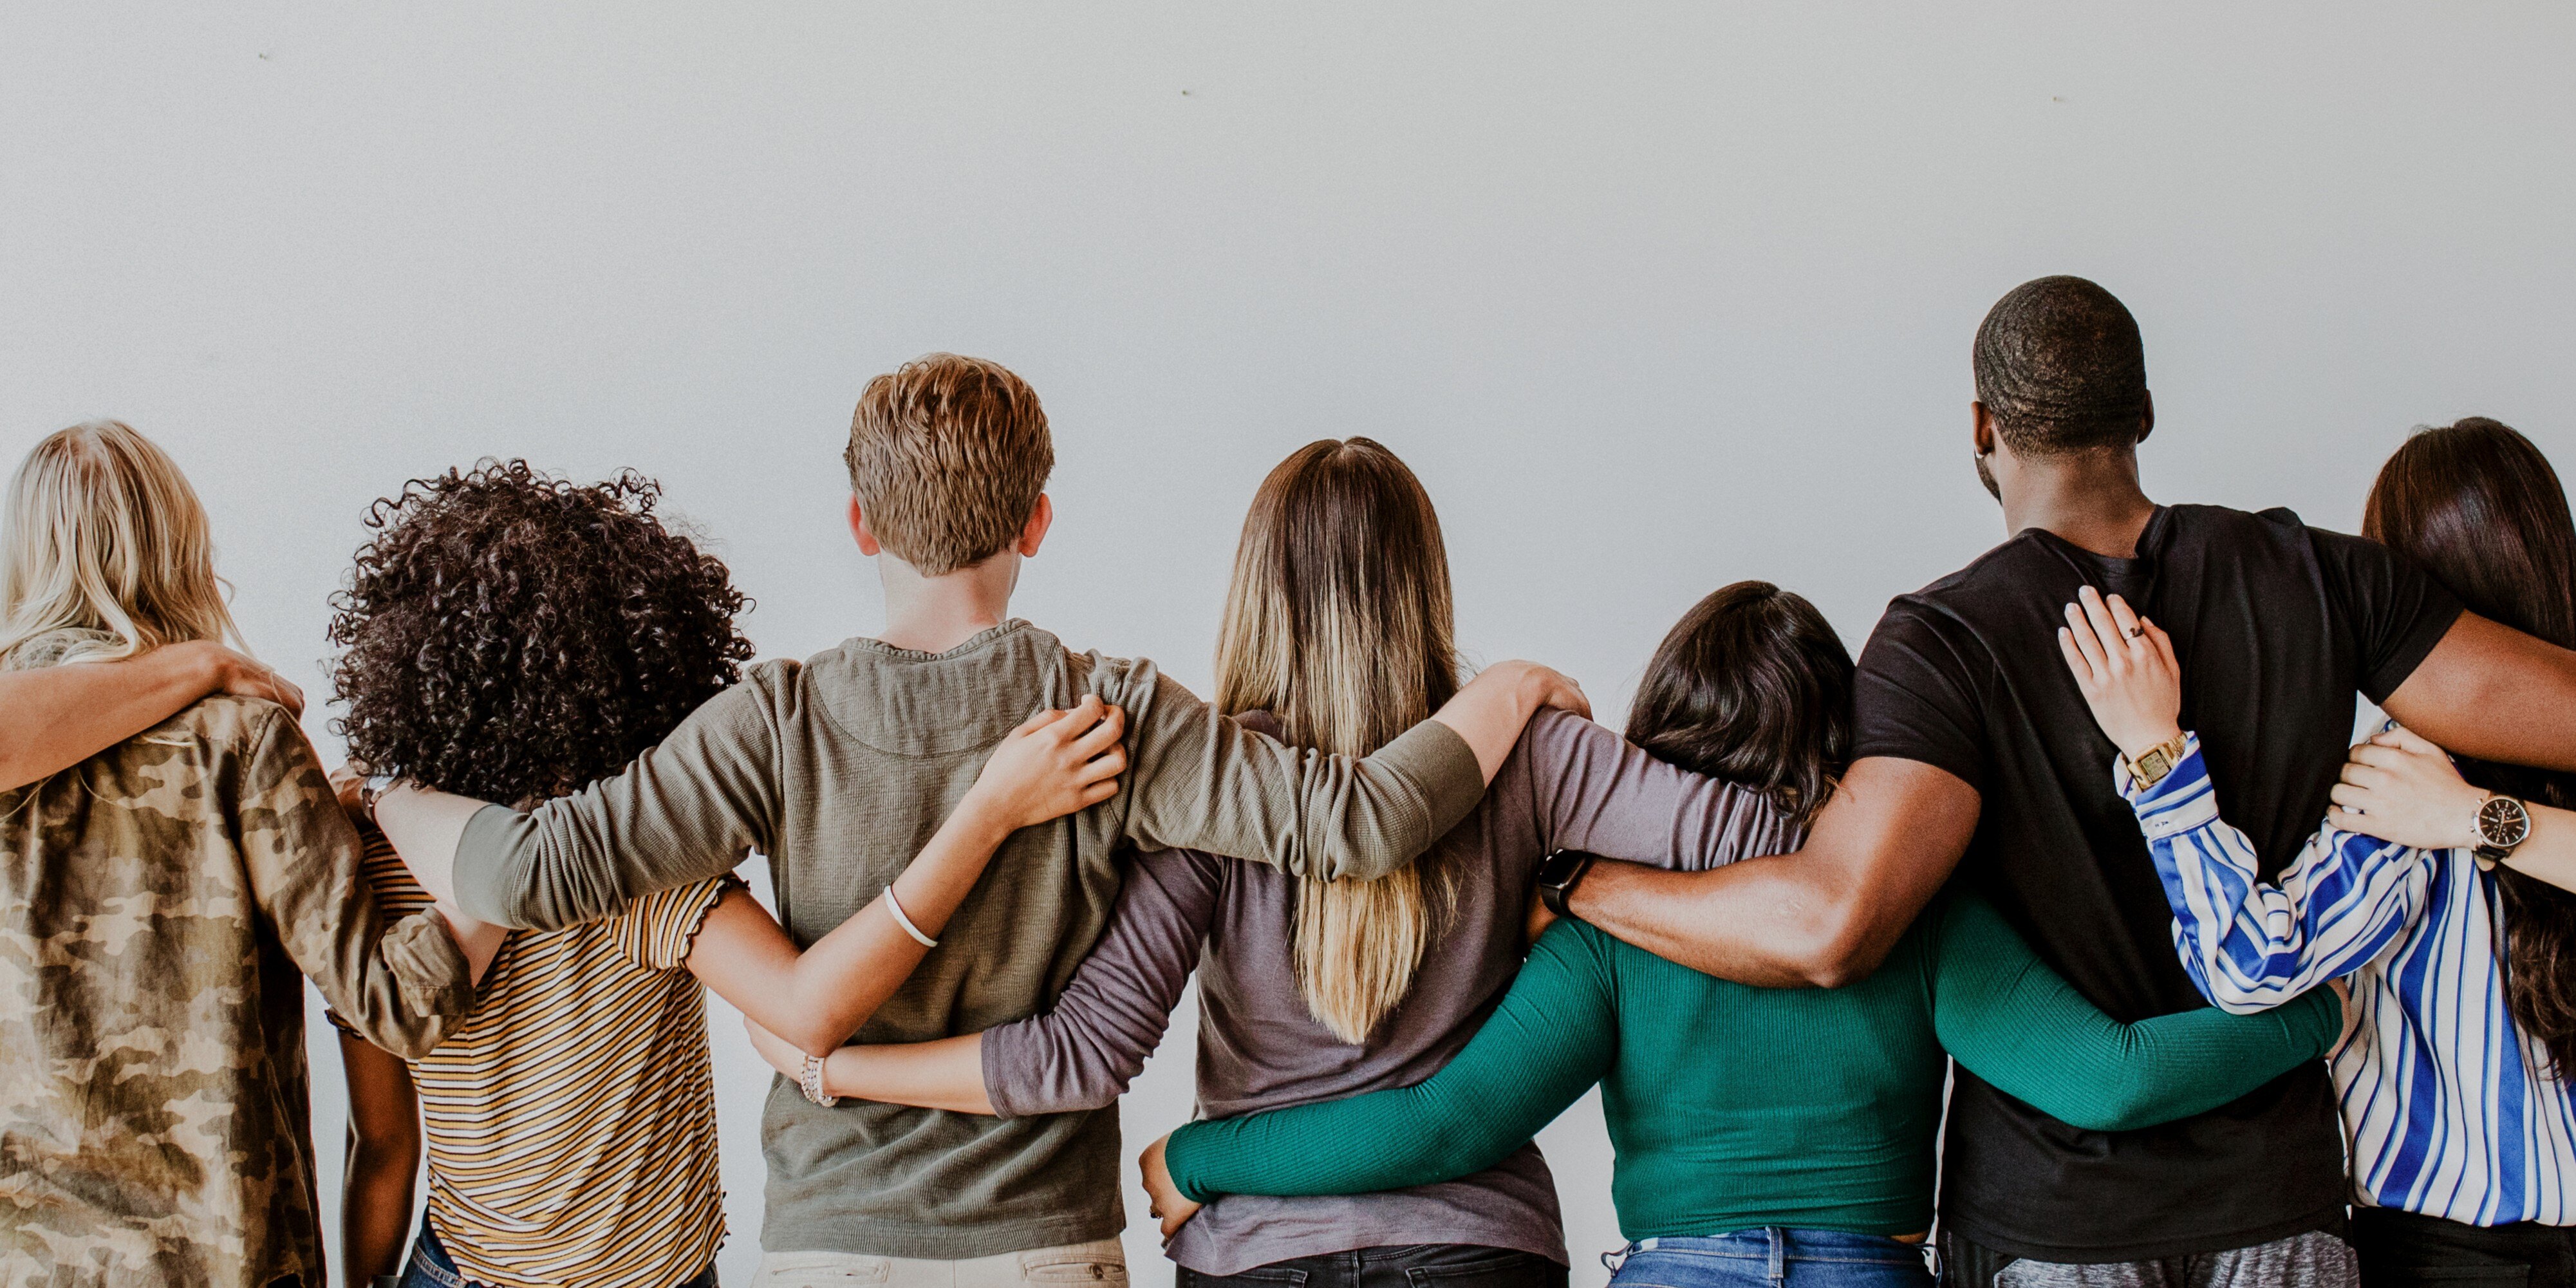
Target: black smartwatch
{"x": 1558, "y": 876}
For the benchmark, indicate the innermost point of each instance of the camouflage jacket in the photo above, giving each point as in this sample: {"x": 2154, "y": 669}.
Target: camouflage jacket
{"x": 160, "y": 905}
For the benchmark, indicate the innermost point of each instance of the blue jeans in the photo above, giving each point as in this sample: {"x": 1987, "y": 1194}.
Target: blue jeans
{"x": 431, "y": 1268}
{"x": 1423, "y": 1265}
{"x": 1773, "y": 1258}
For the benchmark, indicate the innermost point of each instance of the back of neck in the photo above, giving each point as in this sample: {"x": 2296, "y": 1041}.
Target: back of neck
{"x": 936, "y": 614}
{"x": 2091, "y": 501}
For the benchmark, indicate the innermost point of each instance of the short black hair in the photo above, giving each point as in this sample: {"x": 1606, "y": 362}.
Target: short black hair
{"x": 2060, "y": 365}
{"x": 1751, "y": 685}
{"x": 508, "y": 635}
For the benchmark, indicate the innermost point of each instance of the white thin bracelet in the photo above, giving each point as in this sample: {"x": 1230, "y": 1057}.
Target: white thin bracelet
{"x": 906, "y": 922}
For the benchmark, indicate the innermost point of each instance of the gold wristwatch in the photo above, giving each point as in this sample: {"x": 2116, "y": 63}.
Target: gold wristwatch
{"x": 2149, "y": 767}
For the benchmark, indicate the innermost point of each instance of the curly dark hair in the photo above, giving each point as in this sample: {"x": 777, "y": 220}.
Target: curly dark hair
{"x": 509, "y": 635}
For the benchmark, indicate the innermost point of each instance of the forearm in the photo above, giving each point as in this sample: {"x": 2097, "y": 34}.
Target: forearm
{"x": 2250, "y": 944}
{"x": 2549, "y": 854}
{"x": 59, "y": 716}
{"x": 1200, "y": 781}
{"x": 1492, "y": 709}
{"x": 2107, "y": 1076}
{"x": 1550, "y": 1039}
{"x": 1768, "y": 922}
{"x": 1824, "y": 916}
{"x": 2020, "y": 1026}
{"x": 1594, "y": 791}
{"x": 425, "y": 827}
{"x": 1413, "y": 1138}
{"x": 817, "y": 999}
{"x": 375, "y": 1211}
{"x": 946, "y": 1074}
{"x": 383, "y": 1160}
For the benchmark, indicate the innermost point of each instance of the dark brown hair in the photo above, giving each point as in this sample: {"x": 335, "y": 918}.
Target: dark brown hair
{"x": 2479, "y": 507}
{"x": 2059, "y": 362}
{"x": 1752, "y": 686}
{"x": 947, "y": 457}
{"x": 508, "y": 635}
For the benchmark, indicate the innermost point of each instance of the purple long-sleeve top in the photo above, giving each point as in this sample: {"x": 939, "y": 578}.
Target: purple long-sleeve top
{"x": 1569, "y": 785}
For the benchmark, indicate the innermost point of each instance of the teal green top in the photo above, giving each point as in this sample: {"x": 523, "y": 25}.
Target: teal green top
{"x": 1733, "y": 1108}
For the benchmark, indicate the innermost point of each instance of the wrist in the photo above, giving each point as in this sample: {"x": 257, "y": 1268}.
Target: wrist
{"x": 983, "y": 819}
{"x": 1529, "y": 688}
{"x": 200, "y": 665}
{"x": 2139, "y": 744}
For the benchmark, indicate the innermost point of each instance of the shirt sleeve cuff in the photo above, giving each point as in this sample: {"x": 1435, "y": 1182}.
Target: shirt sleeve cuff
{"x": 1181, "y": 1159}
{"x": 1441, "y": 763}
{"x": 483, "y": 866}
{"x": 2175, "y": 803}
{"x": 426, "y": 962}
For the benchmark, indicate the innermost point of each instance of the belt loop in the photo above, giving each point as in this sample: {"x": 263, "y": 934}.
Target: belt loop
{"x": 1778, "y": 1267}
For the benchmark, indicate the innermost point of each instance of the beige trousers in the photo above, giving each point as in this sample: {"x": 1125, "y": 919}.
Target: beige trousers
{"x": 1073, "y": 1265}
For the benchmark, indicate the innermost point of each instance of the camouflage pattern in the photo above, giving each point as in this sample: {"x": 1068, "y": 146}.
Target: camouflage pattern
{"x": 159, "y": 906}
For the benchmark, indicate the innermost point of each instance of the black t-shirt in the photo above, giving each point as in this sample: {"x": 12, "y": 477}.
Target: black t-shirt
{"x": 2277, "y": 626}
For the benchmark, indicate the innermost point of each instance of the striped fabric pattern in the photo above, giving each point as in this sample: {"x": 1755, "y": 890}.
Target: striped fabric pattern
{"x": 571, "y": 1119}
{"x": 2449, "y": 1110}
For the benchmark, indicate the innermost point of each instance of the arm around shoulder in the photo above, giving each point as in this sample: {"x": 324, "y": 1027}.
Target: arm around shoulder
{"x": 2022, "y": 1027}
{"x": 1202, "y": 781}
{"x": 2493, "y": 693}
{"x": 688, "y": 810}
{"x": 1824, "y": 916}
{"x": 1554, "y": 1035}
{"x": 400, "y": 986}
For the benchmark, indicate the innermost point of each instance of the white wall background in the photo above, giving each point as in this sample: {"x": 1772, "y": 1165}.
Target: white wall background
{"x": 1654, "y": 297}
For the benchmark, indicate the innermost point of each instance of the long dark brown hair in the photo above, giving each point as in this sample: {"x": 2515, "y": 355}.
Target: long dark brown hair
{"x": 2479, "y": 507}
{"x": 1751, "y": 685}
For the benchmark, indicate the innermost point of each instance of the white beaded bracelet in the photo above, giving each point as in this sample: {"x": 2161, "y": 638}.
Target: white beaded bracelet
{"x": 906, "y": 922}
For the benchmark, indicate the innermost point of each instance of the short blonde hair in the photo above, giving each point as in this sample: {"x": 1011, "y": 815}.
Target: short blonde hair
{"x": 106, "y": 541}
{"x": 947, "y": 457}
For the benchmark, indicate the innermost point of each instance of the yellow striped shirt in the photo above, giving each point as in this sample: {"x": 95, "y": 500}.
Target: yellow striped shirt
{"x": 571, "y": 1118}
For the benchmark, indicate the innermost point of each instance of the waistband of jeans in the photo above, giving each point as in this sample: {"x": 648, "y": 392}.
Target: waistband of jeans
{"x": 429, "y": 1257}
{"x": 1787, "y": 1244}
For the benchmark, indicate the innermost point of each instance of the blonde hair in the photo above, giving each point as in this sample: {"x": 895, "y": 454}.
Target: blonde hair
{"x": 947, "y": 457}
{"x": 107, "y": 544}
{"x": 1338, "y": 623}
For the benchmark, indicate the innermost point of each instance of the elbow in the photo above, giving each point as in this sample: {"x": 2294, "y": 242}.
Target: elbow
{"x": 810, "y": 1036}
{"x": 389, "y": 1155}
{"x": 2125, "y": 1107}
{"x": 1836, "y": 950}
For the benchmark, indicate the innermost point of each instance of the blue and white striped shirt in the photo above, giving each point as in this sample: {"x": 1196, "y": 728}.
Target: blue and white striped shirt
{"x": 2448, "y": 1108}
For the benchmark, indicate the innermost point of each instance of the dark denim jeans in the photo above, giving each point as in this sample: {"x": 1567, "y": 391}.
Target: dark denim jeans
{"x": 1422, "y": 1265}
{"x": 431, "y": 1268}
{"x": 1773, "y": 1258}
{"x": 2404, "y": 1250}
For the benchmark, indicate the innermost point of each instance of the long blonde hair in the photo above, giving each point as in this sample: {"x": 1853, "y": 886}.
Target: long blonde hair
{"x": 106, "y": 544}
{"x": 1338, "y": 622}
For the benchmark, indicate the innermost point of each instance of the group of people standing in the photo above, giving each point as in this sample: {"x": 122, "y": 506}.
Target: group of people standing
{"x": 2232, "y": 1000}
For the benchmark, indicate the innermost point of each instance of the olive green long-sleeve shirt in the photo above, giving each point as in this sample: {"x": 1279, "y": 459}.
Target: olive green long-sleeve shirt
{"x": 839, "y": 770}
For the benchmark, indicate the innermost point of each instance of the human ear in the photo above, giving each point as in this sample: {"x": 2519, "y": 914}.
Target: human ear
{"x": 1981, "y": 428}
{"x": 2146, "y": 414}
{"x": 868, "y": 543}
{"x": 1033, "y": 533}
